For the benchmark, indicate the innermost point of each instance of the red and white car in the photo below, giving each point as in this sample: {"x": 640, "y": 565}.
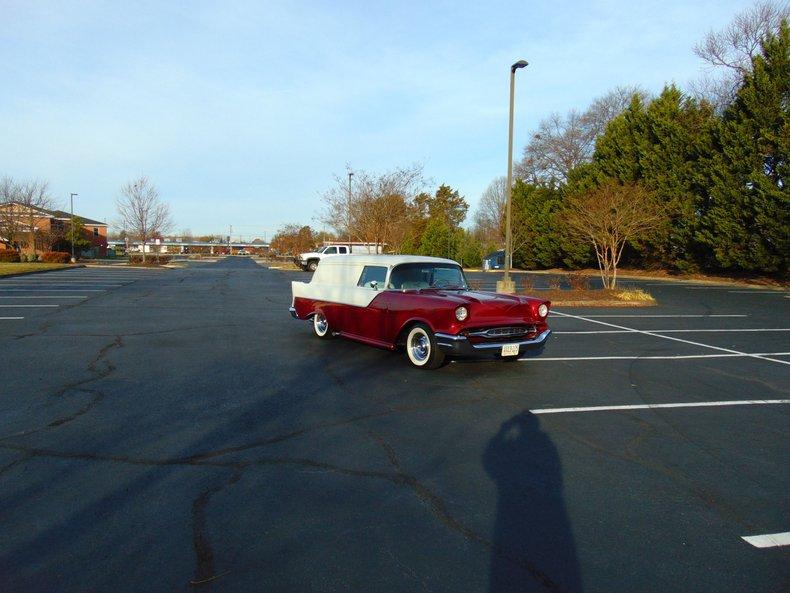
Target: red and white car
{"x": 421, "y": 303}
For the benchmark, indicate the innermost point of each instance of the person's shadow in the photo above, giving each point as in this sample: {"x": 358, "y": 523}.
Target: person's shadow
{"x": 533, "y": 548}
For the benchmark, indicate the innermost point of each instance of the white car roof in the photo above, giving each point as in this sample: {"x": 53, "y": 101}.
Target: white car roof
{"x": 345, "y": 269}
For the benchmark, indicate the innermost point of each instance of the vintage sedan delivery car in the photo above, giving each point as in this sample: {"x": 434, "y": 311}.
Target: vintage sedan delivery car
{"x": 421, "y": 303}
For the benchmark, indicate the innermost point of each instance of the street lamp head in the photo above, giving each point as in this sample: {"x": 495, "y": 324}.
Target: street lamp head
{"x": 519, "y": 64}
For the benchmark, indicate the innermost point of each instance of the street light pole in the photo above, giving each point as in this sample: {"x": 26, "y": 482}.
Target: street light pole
{"x": 506, "y": 284}
{"x": 71, "y": 199}
{"x": 350, "y": 175}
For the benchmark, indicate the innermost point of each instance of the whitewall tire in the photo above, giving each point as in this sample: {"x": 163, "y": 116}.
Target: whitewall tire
{"x": 421, "y": 348}
{"x": 321, "y": 326}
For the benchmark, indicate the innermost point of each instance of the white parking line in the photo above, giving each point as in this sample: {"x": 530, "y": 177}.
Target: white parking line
{"x": 769, "y": 540}
{"x": 648, "y": 333}
{"x": 760, "y": 292}
{"x": 671, "y": 331}
{"x": 27, "y": 306}
{"x": 741, "y": 402}
{"x": 667, "y": 357}
{"x": 52, "y": 289}
{"x": 69, "y": 283}
{"x": 10, "y": 318}
{"x": 683, "y": 284}
{"x": 45, "y": 297}
{"x": 643, "y": 316}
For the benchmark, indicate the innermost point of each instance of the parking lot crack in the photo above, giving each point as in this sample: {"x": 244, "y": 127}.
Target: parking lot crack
{"x": 205, "y": 574}
{"x": 14, "y": 463}
{"x": 100, "y": 368}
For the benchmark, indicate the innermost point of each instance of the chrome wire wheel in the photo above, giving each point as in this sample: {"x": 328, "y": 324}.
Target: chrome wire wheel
{"x": 419, "y": 347}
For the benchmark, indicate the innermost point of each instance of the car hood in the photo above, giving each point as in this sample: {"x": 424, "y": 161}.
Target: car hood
{"x": 476, "y": 296}
{"x": 490, "y": 304}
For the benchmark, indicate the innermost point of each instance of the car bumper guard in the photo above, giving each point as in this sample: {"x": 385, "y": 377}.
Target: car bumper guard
{"x": 454, "y": 345}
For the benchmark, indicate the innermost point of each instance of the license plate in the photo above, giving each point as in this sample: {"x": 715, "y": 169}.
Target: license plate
{"x": 510, "y": 350}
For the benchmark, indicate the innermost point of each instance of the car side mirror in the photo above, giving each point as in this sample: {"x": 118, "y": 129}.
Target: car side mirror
{"x": 374, "y": 284}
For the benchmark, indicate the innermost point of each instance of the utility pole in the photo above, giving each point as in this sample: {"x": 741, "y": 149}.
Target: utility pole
{"x": 230, "y": 232}
{"x": 506, "y": 284}
{"x": 350, "y": 175}
{"x": 71, "y": 196}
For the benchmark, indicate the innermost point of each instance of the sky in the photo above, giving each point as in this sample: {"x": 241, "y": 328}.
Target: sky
{"x": 242, "y": 113}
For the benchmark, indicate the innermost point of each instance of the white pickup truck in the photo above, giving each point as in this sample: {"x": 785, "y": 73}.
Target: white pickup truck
{"x": 309, "y": 261}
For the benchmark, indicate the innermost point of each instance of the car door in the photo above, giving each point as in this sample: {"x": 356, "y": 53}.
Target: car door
{"x": 370, "y": 321}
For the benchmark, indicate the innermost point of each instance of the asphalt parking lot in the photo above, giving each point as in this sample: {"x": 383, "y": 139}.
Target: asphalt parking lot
{"x": 176, "y": 430}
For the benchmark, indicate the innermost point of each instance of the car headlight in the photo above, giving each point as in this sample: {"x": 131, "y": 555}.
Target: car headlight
{"x": 543, "y": 310}
{"x": 461, "y": 313}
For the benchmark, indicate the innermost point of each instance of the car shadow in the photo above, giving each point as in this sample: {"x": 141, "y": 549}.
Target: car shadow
{"x": 533, "y": 545}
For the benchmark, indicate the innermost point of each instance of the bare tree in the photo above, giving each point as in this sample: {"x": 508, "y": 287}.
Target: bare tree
{"x": 141, "y": 211}
{"x": 729, "y": 52}
{"x": 562, "y": 143}
{"x": 380, "y": 205}
{"x": 10, "y": 222}
{"x": 33, "y": 197}
{"x": 608, "y": 218}
{"x": 490, "y": 213}
{"x": 22, "y": 207}
{"x": 606, "y": 107}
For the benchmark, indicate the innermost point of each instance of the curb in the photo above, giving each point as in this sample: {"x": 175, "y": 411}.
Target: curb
{"x": 588, "y": 304}
{"x": 31, "y": 272}
{"x": 123, "y": 267}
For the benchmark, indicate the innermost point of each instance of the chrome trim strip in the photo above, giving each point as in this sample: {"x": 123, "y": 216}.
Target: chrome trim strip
{"x": 441, "y": 336}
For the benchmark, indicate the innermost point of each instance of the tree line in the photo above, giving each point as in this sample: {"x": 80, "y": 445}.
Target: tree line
{"x": 707, "y": 168}
{"x": 396, "y": 211}
{"x": 687, "y": 181}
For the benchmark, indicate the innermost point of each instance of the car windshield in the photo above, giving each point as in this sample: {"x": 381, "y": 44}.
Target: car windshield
{"x": 427, "y": 275}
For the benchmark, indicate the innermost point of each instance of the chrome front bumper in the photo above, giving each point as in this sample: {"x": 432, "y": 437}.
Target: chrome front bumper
{"x": 454, "y": 345}
{"x": 292, "y": 311}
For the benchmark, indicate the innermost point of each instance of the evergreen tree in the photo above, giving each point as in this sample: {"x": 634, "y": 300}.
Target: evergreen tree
{"x": 536, "y": 238}
{"x": 664, "y": 146}
{"x": 746, "y": 219}
{"x": 439, "y": 239}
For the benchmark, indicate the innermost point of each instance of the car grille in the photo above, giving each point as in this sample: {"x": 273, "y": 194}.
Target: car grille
{"x": 502, "y": 333}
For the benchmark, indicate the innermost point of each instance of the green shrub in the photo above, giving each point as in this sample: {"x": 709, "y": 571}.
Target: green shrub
{"x": 56, "y": 257}
{"x": 9, "y": 256}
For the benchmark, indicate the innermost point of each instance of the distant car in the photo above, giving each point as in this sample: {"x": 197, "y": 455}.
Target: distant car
{"x": 242, "y": 252}
{"x": 421, "y": 303}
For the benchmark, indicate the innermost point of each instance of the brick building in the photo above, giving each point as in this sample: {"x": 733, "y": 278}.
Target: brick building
{"x": 22, "y": 227}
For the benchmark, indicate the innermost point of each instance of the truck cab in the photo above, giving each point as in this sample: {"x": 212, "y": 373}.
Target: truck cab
{"x": 309, "y": 261}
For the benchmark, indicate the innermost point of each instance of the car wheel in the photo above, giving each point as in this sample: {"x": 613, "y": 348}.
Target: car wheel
{"x": 321, "y": 326}
{"x": 312, "y": 266}
{"x": 421, "y": 348}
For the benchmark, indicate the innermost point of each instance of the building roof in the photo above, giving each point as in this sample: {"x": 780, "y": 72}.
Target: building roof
{"x": 61, "y": 215}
